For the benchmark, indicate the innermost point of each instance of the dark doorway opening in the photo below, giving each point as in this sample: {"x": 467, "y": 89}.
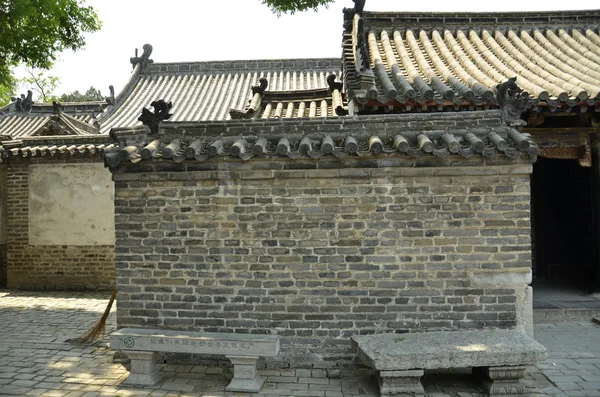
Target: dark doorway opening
{"x": 562, "y": 224}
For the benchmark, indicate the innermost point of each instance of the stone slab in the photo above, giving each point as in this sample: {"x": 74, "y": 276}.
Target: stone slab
{"x": 505, "y": 278}
{"x": 451, "y": 349}
{"x": 159, "y": 340}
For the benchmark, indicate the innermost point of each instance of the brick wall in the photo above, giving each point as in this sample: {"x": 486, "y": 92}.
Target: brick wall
{"x": 319, "y": 255}
{"x": 50, "y": 267}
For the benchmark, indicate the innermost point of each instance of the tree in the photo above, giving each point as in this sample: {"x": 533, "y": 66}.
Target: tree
{"x": 41, "y": 84}
{"x": 91, "y": 94}
{"x": 35, "y": 31}
{"x": 291, "y": 6}
{"x": 7, "y": 90}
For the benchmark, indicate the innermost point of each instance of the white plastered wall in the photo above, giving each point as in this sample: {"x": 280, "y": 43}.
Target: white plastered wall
{"x": 71, "y": 204}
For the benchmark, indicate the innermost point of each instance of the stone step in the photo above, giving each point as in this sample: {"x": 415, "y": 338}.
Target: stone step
{"x": 542, "y": 316}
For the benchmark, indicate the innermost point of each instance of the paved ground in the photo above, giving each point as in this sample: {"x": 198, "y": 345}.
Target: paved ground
{"x": 35, "y": 360}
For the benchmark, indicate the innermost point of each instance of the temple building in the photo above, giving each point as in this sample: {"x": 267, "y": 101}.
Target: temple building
{"x": 419, "y": 182}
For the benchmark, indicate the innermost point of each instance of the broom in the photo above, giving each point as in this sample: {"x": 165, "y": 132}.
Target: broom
{"x": 99, "y": 328}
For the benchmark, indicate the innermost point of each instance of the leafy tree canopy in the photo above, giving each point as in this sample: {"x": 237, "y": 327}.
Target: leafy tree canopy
{"x": 91, "y": 94}
{"x": 7, "y": 90}
{"x": 284, "y": 6}
{"x": 35, "y": 31}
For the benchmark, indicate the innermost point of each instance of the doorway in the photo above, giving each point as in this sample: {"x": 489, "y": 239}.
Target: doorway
{"x": 562, "y": 225}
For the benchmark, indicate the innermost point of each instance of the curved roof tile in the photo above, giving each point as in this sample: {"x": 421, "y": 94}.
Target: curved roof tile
{"x": 462, "y": 58}
{"x": 207, "y": 92}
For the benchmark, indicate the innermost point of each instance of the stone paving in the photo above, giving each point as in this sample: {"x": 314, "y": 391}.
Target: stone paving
{"x": 36, "y": 361}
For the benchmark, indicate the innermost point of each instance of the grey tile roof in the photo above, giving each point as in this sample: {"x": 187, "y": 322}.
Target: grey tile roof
{"x": 493, "y": 142}
{"x": 447, "y": 60}
{"x": 55, "y": 146}
{"x": 445, "y": 136}
{"x": 207, "y": 91}
{"x": 22, "y": 125}
{"x": 77, "y": 116}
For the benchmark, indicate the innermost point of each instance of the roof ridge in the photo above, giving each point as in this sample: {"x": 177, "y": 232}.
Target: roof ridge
{"x": 250, "y": 65}
{"x": 510, "y": 18}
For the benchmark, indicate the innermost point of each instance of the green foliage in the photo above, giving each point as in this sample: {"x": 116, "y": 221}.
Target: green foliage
{"x": 7, "y": 90}
{"x": 91, "y": 94}
{"x": 291, "y": 6}
{"x": 35, "y": 31}
{"x": 42, "y": 85}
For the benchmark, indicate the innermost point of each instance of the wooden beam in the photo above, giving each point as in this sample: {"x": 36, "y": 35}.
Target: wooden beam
{"x": 573, "y": 130}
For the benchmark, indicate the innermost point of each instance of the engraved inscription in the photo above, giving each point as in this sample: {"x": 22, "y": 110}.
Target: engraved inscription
{"x": 197, "y": 343}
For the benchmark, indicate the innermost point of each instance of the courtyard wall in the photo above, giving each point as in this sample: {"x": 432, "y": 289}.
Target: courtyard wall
{"x": 317, "y": 255}
{"x": 60, "y": 226}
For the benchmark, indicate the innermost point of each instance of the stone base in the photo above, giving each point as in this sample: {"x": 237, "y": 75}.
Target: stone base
{"x": 502, "y": 381}
{"x": 122, "y": 358}
{"x": 144, "y": 371}
{"x": 245, "y": 375}
{"x": 401, "y": 383}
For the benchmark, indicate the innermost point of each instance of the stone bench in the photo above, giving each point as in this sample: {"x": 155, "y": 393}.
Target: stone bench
{"x": 498, "y": 358}
{"x": 243, "y": 350}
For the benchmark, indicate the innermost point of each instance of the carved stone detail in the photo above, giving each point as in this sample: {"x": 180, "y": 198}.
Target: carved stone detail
{"x": 401, "y": 383}
{"x": 161, "y": 112}
{"x": 502, "y": 381}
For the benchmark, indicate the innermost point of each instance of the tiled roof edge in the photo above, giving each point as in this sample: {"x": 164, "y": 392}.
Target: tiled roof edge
{"x": 61, "y": 140}
{"x": 47, "y": 109}
{"x": 258, "y": 65}
{"x": 127, "y": 89}
{"x": 382, "y": 121}
{"x": 484, "y": 19}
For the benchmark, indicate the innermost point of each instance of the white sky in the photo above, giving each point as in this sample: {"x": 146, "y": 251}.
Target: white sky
{"x": 203, "y": 30}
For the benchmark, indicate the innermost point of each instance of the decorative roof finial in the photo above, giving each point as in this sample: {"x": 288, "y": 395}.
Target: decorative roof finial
{"x": 248, "y": 111}
{"x": 23, "y": 104}
{"x": 261, "y": 87}
{"x": 144, "y": 60}
{"x": 333, "y": 85}
{"x": 359, "y": 5}
{"x": 161, "y": 112}
{"x": 111, "y": 99}
{"x": 56, "y": 107}
{"x": 511, "y": 99}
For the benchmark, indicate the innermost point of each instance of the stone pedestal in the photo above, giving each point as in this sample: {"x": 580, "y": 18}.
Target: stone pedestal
{"x": 144, "y": 371}
{"x": 245, "y": 375}
{"x": 502, "y": 381}
{"x": 401, "y": 383}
